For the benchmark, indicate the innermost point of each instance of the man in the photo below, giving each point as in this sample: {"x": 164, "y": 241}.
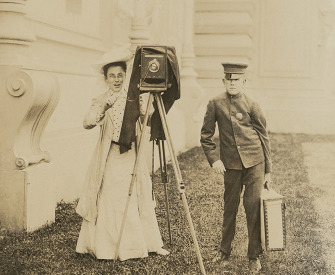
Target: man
{"x": 244, "y": 158}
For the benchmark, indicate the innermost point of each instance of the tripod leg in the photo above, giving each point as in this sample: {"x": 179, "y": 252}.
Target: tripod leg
{"x": 133, "y": 178}
{"x": 162, "y": 161}
{"x": 178, "y": 176}
{"x": 152, "y": 169}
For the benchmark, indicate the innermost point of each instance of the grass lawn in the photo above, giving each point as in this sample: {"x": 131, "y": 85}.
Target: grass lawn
{"x": 51, "y": 250}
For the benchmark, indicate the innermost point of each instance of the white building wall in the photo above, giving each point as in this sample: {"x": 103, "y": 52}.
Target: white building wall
{"x": 290, "y": 46}
{"x": 290, "y": 64}
{"x": 71, "y": 36}
{"x": 285, "y": 74}
{"x": 287, "y": 45}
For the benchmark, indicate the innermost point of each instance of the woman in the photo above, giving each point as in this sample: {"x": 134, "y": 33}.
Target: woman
{"x": 106, "y": 190}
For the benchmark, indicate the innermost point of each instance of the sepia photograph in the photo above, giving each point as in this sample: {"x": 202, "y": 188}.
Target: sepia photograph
{"x": 167, "y": 137}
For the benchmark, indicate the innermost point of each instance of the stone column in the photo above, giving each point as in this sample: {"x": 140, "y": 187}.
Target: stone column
{"x": 191, "y": 91}
{"x": 139, "y": 34}
{"x": 28, "y": 98}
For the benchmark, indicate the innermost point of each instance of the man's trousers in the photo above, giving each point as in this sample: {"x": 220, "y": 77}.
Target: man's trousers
{"x": 253, "y": 181}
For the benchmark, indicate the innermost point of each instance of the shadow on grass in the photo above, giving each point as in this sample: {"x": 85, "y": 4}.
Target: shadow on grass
{"x": 51, "y": 250}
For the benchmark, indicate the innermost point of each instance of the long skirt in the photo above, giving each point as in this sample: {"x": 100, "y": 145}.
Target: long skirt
{"x": 141, "y": 232}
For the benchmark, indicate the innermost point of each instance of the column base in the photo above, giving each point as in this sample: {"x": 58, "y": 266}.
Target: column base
{"x": 190, "y": 104}
{"x": 27, "y": 201}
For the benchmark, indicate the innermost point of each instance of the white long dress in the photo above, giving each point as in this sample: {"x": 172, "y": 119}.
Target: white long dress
{"x": 141, "y": 232}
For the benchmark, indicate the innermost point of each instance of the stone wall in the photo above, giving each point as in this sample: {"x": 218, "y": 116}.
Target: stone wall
{"x": 68, "y": 42}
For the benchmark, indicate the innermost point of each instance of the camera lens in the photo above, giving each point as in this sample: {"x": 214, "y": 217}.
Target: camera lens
{"x": 154, "y": 66}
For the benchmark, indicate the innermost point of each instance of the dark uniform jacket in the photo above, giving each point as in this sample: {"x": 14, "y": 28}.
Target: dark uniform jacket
{"x": 244, "y": 140}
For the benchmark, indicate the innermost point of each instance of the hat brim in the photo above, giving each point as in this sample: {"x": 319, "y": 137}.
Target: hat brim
{"x": 115, "y": 55}
{"x": 233, "y": 76}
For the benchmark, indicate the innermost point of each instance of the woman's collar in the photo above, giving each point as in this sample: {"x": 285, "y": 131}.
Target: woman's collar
{"x": 123, "y": 92}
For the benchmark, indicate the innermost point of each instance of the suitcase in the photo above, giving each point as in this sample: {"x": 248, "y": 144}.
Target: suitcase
{"x": 273, "y": 228}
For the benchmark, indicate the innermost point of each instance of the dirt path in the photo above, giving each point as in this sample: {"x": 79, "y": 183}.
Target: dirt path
{"x": 320, "y": 160}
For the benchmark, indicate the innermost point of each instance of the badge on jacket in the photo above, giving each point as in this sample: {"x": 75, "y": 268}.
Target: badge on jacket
{"x": 239, "y": 116}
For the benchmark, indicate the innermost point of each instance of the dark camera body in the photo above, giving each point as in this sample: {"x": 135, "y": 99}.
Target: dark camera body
{"x": 154, "y": 70}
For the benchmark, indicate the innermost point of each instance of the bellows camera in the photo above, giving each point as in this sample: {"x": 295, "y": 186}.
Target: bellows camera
{"x": 154, "y": 70}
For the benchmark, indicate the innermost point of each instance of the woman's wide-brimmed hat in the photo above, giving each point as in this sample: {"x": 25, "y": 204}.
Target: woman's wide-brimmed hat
{"x": 118, "y": 54}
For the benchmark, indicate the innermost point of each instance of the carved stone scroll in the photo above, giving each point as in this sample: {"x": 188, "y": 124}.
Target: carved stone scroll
{"x": 33, "y": 96}
{"x": 27, "y": 99}
{"x": 44, "y": 93}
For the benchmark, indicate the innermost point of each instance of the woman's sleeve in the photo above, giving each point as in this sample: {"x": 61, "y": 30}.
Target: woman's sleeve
{"x": 95, "y": 115}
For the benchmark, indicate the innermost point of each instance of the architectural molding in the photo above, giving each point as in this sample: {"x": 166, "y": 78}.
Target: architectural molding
{"x": 28, "y": 98}
{"x": 66, "y": 36}
{"x": 296, "y": 29}
{"x": 15, "y": 34}
{"x": 62, "y": 14}
{"x": 188, "y": 73}
{"x": 43, "y": 92}
{"x": 34, "y": 95}
{"x": 139, "y": 34}
{"x": 193, "y": 93}
{"x": 225, "y": 30}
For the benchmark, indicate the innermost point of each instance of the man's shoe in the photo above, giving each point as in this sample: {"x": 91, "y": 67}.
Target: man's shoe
{"x": 254, "y": 266}
{"x": 222, "y": 258}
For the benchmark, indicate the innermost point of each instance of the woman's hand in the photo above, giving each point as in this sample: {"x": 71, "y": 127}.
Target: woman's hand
{"x": 110, "y": 101}
{"x": 107, "y": 105}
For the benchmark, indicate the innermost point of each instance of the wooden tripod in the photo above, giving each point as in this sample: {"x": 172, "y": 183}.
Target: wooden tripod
{"x": 176, "y": 169}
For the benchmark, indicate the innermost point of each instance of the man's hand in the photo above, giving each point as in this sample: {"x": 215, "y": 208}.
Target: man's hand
{"x": 219, "y": 167}
{"x": 267, "y": 181}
